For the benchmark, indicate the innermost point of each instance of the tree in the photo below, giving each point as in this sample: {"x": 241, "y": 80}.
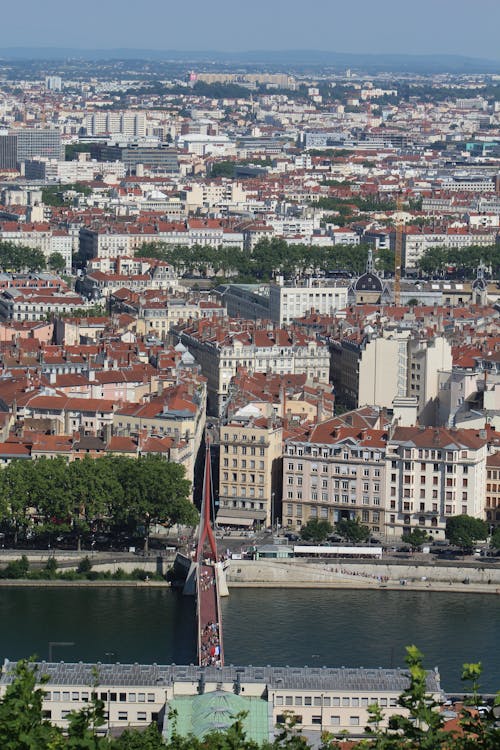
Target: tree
{"x": 352, "y": 530}
{"x": 495, "y": 538}
{"x": 56, "y": 263}
{"x": 464, "y": 531}
{"x": 152, "y": 491}
{"x": 223, "y": 169}
{"x": 415, "y": 538}
{"x": 423, "y": 726}
{"x": 22, "y": 726}
{"x": 316, "y": 530}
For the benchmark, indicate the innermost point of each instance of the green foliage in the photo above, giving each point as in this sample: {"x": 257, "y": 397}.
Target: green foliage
{"x": 21, "y": 724}
{"x": 95, "y": 311}
{"x": 50, "y": 567}
{"x": 269, "y": 258}
{"x": 464, "y": 531}
{"x": 223, "y": 169}
{"x": 415, "y": 538}
{"x": 423, "y": 726}
{"x": 53, "y": 195}
{"x": 17, "y": 258}
{"x": 16, "y": 569}
{"x": 105, "y": 493}
{"x": 495, "y": 538}
{"x": 352, "y": 530}
{"x": 56, "y": 262}
{"x": 436, "y": 260}
{"x": 84, "y": 566}
{"x": 316, "y": 530}
{"x": 221, "y": 90}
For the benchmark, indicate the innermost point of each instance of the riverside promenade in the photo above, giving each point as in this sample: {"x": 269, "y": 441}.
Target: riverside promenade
{"x": 415, "y": 575}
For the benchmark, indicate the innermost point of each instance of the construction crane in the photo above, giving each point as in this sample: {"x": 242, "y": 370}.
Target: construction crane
{"x": 398, "y": 251}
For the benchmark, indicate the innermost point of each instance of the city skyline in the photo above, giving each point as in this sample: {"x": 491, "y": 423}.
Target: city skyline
{"x": 383, "y": 29}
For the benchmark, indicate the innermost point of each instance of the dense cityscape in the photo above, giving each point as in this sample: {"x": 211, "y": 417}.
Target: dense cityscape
{"x": 255, "y": 308}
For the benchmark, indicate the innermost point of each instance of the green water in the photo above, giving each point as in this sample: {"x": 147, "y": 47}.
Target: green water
{"x": 261, "y": 626}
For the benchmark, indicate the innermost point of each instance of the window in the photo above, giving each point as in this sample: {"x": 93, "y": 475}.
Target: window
{"x": 354, "y": 721}
{"x": 298, "y": 700}
{"x": 317, "y": 701}
{"x": 278, "y": 701}
{"x": 122, "y": 716}
{"x": 289, "y": 700}
{"x": 307, "y": 700}
{"x": 316, "y": 720}
{"x": 335, "y": 721}
{"x": 335, "y": 701}
{"x": 345, "y": 702}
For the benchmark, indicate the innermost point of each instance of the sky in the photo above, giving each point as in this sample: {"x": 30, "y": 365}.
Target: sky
{"x": 360, "y": 26}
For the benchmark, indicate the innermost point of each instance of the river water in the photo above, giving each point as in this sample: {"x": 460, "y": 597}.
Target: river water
{"x": 261, "y": 626}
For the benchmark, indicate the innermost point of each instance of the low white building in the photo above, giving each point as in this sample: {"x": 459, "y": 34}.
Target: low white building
{"x": 289, "y": 302}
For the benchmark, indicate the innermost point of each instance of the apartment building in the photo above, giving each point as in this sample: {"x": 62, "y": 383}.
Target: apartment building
{"x": 434, "y": 473}
{"x": 493, "y": 490}
{"x": 25, "y": 304}
{"x": 112, "y": 123}
{"x": 417, "y": 241}
{"x": 39, "y": 236}
{"x": 206, "y": 195}
{"x": 375, "y": 370}
{"x": 250, "y": 469}
{"x": 287, "y": 303}
{"x": 221, "y": 347}
{"x": 337, "y": 472}
{"x": 426, "y": 359}
{"x": 178, "y": 412}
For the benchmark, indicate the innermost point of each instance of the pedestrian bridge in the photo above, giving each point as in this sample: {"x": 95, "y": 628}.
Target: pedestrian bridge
{"x": 210, "y": 582}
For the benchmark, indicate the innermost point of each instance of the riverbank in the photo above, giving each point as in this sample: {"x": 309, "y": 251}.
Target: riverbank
{"x": 461, "y": 578}
{"x": 50, "y": 583}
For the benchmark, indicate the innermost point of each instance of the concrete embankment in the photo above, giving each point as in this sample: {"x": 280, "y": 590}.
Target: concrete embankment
{"x": 464, "y": 577}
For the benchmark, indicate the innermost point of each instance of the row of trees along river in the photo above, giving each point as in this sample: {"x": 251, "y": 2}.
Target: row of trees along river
{"x": 105, "y": 494}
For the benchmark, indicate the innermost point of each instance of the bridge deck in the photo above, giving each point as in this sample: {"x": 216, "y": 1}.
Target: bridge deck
{"x": 210, "y": 652}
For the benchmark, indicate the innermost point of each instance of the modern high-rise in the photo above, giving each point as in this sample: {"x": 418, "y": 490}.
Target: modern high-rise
{"x": 36, "y": 142}
{"x": 8, "y": 151}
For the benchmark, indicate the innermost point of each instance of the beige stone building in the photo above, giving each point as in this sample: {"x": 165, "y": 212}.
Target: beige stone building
{"x": 250, "y": 469}
{"x": 493, "y": 490}
{"x": 433, "y": 474}
{"x": 337, "y": 472}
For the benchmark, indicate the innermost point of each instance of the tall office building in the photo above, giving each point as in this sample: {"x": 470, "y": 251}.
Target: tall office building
{"x": 8, "y": 151}
{"x": 36, "y": 142}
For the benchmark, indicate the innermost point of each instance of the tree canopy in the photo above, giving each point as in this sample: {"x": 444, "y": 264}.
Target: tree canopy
{"x": 415, "y": 538}
{"x": 316, "y": 530}
{"x": 50, "y": 496}
{"x": 268, "y": 258}
{"x": 437, "y": 261}
{"x": 352, "y": 530}
{"x": 20, "y": 258}
{"x": 464, "y": 531}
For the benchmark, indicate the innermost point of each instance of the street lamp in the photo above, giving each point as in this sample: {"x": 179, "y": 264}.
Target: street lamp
{"x": 58, "y": 643}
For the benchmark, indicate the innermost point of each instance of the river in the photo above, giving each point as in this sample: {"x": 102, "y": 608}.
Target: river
{"x": 261, "y": 626}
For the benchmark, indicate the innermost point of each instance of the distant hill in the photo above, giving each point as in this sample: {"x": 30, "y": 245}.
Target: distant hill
{"x": 277, "y": 59}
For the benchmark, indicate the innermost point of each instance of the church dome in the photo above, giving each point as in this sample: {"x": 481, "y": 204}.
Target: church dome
{"x": 368, "y": 282}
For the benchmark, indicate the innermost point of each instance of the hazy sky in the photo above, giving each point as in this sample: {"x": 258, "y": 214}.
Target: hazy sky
{"x": 413, "y": 26}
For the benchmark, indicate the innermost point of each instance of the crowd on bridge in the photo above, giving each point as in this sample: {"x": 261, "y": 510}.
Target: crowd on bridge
{"x": 210, "y": 650}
